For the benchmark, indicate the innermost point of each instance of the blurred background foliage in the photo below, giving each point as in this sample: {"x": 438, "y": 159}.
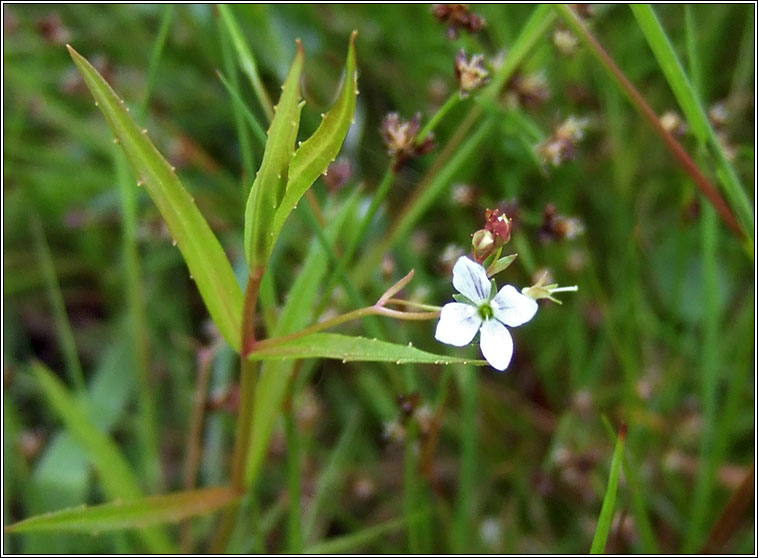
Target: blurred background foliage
{"x": 660, "y": 335}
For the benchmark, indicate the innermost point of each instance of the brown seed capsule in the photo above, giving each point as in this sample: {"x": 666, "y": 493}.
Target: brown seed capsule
{"x": 458, "y": 16}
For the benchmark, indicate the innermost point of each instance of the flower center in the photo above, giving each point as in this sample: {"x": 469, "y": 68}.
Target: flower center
{"x": 485, "y": 311}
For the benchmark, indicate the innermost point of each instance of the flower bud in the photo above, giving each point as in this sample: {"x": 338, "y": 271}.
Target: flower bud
{"x": 499, "y": 225}
{"x": 482, "y": 244}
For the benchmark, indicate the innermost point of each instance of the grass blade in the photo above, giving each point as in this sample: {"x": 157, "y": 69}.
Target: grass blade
{"x": 134, "y": 514}
{"x": 201, "y": 249}
{"x": 116, "y": 475}
{"x": 696, "y": 116}
{"x": 348, "y": 543}
{"x": 246, "y": 58}
{"x": 609, "y": 501}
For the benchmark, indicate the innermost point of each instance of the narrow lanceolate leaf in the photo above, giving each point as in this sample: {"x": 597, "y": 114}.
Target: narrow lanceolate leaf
{"x": 271, "y": 179}
{"x": 133, "y": 514}
{"x": 313, "y": 157}
{"x": 201, "y": 249}
{"x": 609, "y": 501}
{"x": 115, "y": 474}
{"x": 347, "y": 348}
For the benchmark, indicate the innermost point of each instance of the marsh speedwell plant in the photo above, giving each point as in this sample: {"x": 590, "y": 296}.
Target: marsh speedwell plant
{"x": 274, "y": 320}
{"x": 288, "y": 169}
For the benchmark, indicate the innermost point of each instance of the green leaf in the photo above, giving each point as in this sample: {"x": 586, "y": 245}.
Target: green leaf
{"x": 609, "y": 501}
{"x": 347, "y": 348}
{"x": 204, "y": 255}
{"x": 116, "y": 476}
{"x": 315, "y": 154}
{"x": 502, "y": 264}
{"x": 271, "y": 179}
{"x": 134, "y": 514}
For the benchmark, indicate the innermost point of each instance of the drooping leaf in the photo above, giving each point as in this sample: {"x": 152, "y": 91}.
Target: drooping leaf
{"x": 132, "y": 514}
{"x": 117, "y": 477}
{"x": 347, "y": 348}
{"x": 315, "y": 154}
{"x": 271, "y": 179}
{"x": 205, "y": 257}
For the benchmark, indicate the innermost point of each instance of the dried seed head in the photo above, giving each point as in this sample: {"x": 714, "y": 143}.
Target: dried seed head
{"x": 530, "y": 90}
{"x": 561, "y": 145}
{"x": 470, "y": 74}
{"x": 337, "y": 175}
{"x": 400, "y": 138}
{"x": 673, "y": 123}
{"x": 565, "y": 41}
{"x": 458, "y": 16}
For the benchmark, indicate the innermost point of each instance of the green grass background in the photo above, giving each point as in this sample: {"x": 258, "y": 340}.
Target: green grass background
{"x": 660, "y": 335}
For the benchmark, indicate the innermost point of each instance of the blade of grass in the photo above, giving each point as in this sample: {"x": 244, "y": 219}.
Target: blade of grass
{"x": 134, "y": 514}
{"x": 638, "y": 101}
{"x": 465, "y": 503}
{"x": 62, "y": 324}
{"x": 135, "y": 299}
{"x": 200, "y": 248}
{"x": 330, "y": 476}
{"x": 246, "y": 58}
{"x": 348, "y": 543}
{"x": 255, "y": 126}
{"x": 116, "y": 475}
{"x": 139, "y": 331}
{"x": 294, "y": 485}
{"x": 609, "y": 500}
{"x": 710, "y": 359}
{"x": 694, "y": 112}
{"x": 238, "y": 107}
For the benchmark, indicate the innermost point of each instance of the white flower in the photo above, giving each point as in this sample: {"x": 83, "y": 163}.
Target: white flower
{"x": 478, "y": 310}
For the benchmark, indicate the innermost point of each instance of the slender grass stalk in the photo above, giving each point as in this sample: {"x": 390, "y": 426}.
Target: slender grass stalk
{"x": 330, "y": 475}
{"x": 195, "y": 435}
{"x": 232, "y": 86}
{"x": 381, "y": 194}
{"x": 468, "y": 384}
{"x": 710, "y": 367}
{"x": 609, "y": 500}
{"x": 453, "y": 100}
{"x": 246, "y": 59}
{"x": 62, "y": 324}
{"x": 294, "y": 485}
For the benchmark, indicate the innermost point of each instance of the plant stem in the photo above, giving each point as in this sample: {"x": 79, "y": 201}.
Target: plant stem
{"x": 453, "y": 100}
{"x": 348, "y": 317}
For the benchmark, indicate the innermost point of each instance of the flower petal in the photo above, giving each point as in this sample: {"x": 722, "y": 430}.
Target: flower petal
{"x": 512, "y": 308}
{"x": 496, "y": 344}
{"x": 458, "y": 324}
{"x": 470, "y": 279}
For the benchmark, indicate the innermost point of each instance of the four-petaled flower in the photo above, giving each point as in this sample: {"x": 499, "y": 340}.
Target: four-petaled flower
{"x": 480, "y": 309}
